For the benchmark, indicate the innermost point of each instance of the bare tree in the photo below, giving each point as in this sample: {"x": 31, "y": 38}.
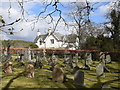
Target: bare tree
{"x": 80, "y": 12}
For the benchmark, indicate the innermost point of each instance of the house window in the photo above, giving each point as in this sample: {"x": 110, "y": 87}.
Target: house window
{"x": 40, "y": 42}
{"x": 52, "y": 41}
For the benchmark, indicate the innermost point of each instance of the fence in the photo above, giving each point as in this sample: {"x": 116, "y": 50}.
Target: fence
{"x": 61, "y": 52}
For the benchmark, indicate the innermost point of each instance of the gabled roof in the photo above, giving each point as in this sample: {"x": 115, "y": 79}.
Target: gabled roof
{"x": 40, "y": 36}
{"x": 58, "y": 36}
{"x": 71, "y": 38}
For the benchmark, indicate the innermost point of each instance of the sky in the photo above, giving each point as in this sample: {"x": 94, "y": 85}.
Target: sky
{"x": 33, "y": 8}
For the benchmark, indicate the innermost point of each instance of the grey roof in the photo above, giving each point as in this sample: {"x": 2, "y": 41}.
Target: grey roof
{"x": 58, "y": 36}
{"x": 71, "y": 38}
{"x": 40, "y": 36}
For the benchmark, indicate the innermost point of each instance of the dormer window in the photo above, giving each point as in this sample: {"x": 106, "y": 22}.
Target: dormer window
{"x": 52, "y": 41}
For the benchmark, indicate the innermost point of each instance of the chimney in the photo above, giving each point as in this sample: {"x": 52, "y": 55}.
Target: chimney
{"x": 49, "y": 30}
{"x": 38, "y": 33}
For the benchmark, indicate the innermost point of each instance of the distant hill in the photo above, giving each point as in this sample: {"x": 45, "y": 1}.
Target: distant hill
{"x": 19, "y": 44}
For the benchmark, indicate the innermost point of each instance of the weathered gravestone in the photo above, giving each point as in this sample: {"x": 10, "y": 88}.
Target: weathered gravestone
{"x": 29, "y": 71}
{"x": 29, "y": 54}
{"x": 58, "y": 75}
{"x": 100, "y": 69}
{"x": 53, "y": 62}
{"x": 44, "y": 56}
{"x": 25, "y": 54}
{"x": 38, "y": 63}
{"x": 66, "y": 56}
{"x": 8, "y": 67}
{"x": 79, "y": 78}
{"x": 69, "y": 61}
{"x": 89, "y": 59}
{"x": 75, "y": 69}
{"x": 108, "y": 59}
{"x": 102, "y": 57}
{"x": 76, "y": 59}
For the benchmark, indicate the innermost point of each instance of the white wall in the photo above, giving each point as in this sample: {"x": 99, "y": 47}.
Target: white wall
{"x": 48, "y": 43}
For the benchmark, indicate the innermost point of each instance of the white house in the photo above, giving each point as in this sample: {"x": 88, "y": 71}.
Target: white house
{"x": 55, "y": 40}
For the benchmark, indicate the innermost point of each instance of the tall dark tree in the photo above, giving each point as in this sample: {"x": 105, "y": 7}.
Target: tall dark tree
{"x": 113, "y": 26}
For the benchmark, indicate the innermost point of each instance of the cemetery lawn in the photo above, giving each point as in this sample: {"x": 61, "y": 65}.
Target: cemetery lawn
{"x": 43, "y": 77}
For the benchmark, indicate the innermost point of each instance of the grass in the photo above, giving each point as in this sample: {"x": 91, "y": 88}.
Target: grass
{"x": 43, "y": 77}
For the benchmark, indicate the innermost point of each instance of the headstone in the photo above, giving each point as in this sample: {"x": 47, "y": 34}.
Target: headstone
{"x": 21, "y": 58}
{"x": 58, "y": 75}
{"x": 69, "y": 62}
{"x": 100, "y": 69}
{"x": 8, "y": 67}
{"x": 33, "y": 55}
{"x": 108, "y": 59}
{"x": 89, "y": 59}
{"x": 75, "y": 69}
{"x": 102, "y": 57}
{"x": 29, "y": 54}
{"x": 26, "y": 54}
{"x": 54, "y": 59}
{"x": 44, "y": 56}
{"x": 52, "y": 62}
{"x": 76, "y": 59}
{"x": 38, "y": 63}
{"x": 79, "y": 78}
{"x": 29, "y": 71}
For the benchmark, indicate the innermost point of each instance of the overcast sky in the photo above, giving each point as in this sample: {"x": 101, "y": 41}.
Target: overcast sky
{"x": 32, "y": 9}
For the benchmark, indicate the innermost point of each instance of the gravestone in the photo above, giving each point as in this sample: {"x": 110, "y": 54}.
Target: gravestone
{"x": 38, "y": 63}
{"x": 79, "y": 78}
{"x": 33, "y": 55}
{"x": 53, "y": 61}
{"x": 8, "y": 67}
{"x": 26, "y": 54}
{"x": 29, "y": 54}
{"x": 108, "y": 59}
{"x": 89, "y": 59}
{"x": 44, "y": 56}
{"x": 100, "y": 69}
{"x": 76, "y": 59}
{"x": 66, "y": 56}
{"x": 58, "y": 75}
{"x": 75, "y": 69}
{"x": 69, "y": 62}
{"x": 21, "y": 58}
{"x": 102, "y": 57}
{"x": 29, "y": 71}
